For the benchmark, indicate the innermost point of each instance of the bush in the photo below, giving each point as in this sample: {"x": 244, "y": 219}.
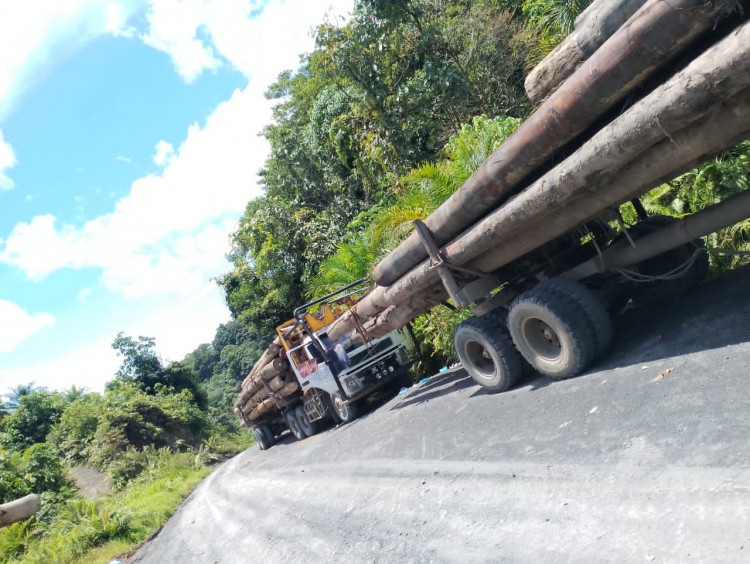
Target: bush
{"x": 74, "y": 435}
{"x": 109, "y": 432}
{"x": 35, "y": 415}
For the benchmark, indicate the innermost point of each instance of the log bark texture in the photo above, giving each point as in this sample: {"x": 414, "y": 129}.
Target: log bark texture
{"x": 270, "y": 353}
{"x": 19, "y": 509}
{"x": 652, "y": 37}
{"x": 273, "y": 368}
{"x": 720, "y": 130}
{"x": 593, "y": 27}
{"x": 699, "y": 90}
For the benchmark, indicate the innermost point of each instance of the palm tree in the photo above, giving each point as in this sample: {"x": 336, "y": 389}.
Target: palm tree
{"x": 19, "y": 392}
{"x": 353, "y": 260}
{"x": 429, "y": 185}
{"x": 553, "y": 20}
{"x": 74, "y": 392}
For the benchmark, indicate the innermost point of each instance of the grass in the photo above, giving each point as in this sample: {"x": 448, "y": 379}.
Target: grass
{"x": 97, "y": 531}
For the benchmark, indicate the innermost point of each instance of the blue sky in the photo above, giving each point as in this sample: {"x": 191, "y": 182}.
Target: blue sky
{"x": 128, "y": 149}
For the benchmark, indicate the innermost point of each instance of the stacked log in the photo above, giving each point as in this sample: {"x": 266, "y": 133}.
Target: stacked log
{"x": 628, "y": 156}
{"x": 519, "y": 199}
{"x": 654, "y": 36}
{"x": 267, "y": 386}
{"x": 593, "y": 27}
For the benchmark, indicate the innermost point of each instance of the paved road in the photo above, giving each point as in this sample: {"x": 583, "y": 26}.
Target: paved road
{"x": 644, "y": 458}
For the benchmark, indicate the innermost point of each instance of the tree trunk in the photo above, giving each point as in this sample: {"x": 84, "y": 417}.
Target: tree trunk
{"x": 657, "y": 32}
{"x": 686, "y": 149}
{"x": 270, "y": 353}
{"x": 717, "y": 75}
{"x": 19, "y": 509}
{"x": 273, "y": 368}
{"x": 593, "y": 27}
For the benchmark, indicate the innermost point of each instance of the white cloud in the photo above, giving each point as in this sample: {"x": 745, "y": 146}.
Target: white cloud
{"x": 163, "y": 152}
{"x": 87, "y": 367}
{"x": 17, "y": 325}
{"x": 171, "y": 232}
{"x": 33, "y": 35}
{"x": 185, "y": 325}
{"x": 199, "y": 34}
{"x": 174, "y": 26}
{"x": 7, "y": 160}
{"x": 177, "y": 330}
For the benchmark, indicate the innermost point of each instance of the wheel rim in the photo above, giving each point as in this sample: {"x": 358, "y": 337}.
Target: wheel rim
{"x": 341, "y": 408}
{"x": 480, "y": 360}
{"x": 542, "y": 338}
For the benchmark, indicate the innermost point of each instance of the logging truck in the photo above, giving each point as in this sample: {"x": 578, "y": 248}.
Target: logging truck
{"x": 535, "y": 242}
{"x": 307, "y": 378}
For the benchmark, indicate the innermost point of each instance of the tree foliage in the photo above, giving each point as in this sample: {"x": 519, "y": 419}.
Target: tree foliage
{"x": 377, "y": 97}
{"x": 142, "y": 367}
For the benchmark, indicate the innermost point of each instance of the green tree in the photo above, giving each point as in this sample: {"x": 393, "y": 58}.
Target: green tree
{"x": 142, "y": 367}
{"x": 550, "y": 21}
{"x": 377, "y": 97}
{"x": 32, "y": 419}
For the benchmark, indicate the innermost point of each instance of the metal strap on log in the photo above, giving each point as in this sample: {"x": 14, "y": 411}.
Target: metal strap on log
{"x": 651, "y": 38}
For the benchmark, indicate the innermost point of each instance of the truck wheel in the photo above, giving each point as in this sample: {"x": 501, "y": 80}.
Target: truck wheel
{"x": 308, "y": 427}
{"x": 343, "y": 412}
{"x": 265, "y": 437}
{"x": 293, "y": 424}
{"x": 552, "y": 332}
{"x": 487, "y": 353}
{"x": 259, "y": 440}
{"x": 595, "y": 308}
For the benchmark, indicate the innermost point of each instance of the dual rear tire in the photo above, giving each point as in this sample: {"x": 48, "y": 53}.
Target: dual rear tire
{"x": 559, "y": 328}
{"x": 299, "y": 423}
{"x": 264, "y": 437}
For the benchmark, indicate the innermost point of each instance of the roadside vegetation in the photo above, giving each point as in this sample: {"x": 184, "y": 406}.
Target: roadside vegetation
{"x": 112, "y": 467}
{"x": 380, "y": 124}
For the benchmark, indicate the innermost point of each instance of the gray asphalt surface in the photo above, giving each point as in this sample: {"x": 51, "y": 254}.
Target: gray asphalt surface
{"x": 643, "y": 458}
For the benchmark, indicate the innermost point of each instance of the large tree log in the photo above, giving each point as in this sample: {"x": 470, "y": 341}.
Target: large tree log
{"x": 273, "y": 368}
{"x": 281, "y": 380}
{"x": 593, "y": 27}
{"x": 652, "y": 37}
{"x": 19, "y": 509}
{"x": 379, "y": 318}
{"x": 700, "y": 89}
{"x": 259, "y": 375}
{"x": 270, "y": 353}
{"x": 727, "y": 126}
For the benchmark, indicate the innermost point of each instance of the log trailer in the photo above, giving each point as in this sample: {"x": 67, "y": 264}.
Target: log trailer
{"x": 305, "y": 378}
{"x": 534, "y": 242}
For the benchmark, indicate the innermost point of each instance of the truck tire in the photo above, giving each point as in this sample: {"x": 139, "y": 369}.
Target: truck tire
{"x": 308, "y": 427}
{"x": 595, "y": 308}
{"x": 258, "y": 440}
{"x": 293, "y": 424}
{"x": 552, "y": 332}
{"x": 341, "y": 411}
{"x": 264, "y": 436}
{"x": 484, "y": 348}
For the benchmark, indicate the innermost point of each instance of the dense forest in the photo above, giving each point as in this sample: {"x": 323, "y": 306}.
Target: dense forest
{"x": 385, "y": 119}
